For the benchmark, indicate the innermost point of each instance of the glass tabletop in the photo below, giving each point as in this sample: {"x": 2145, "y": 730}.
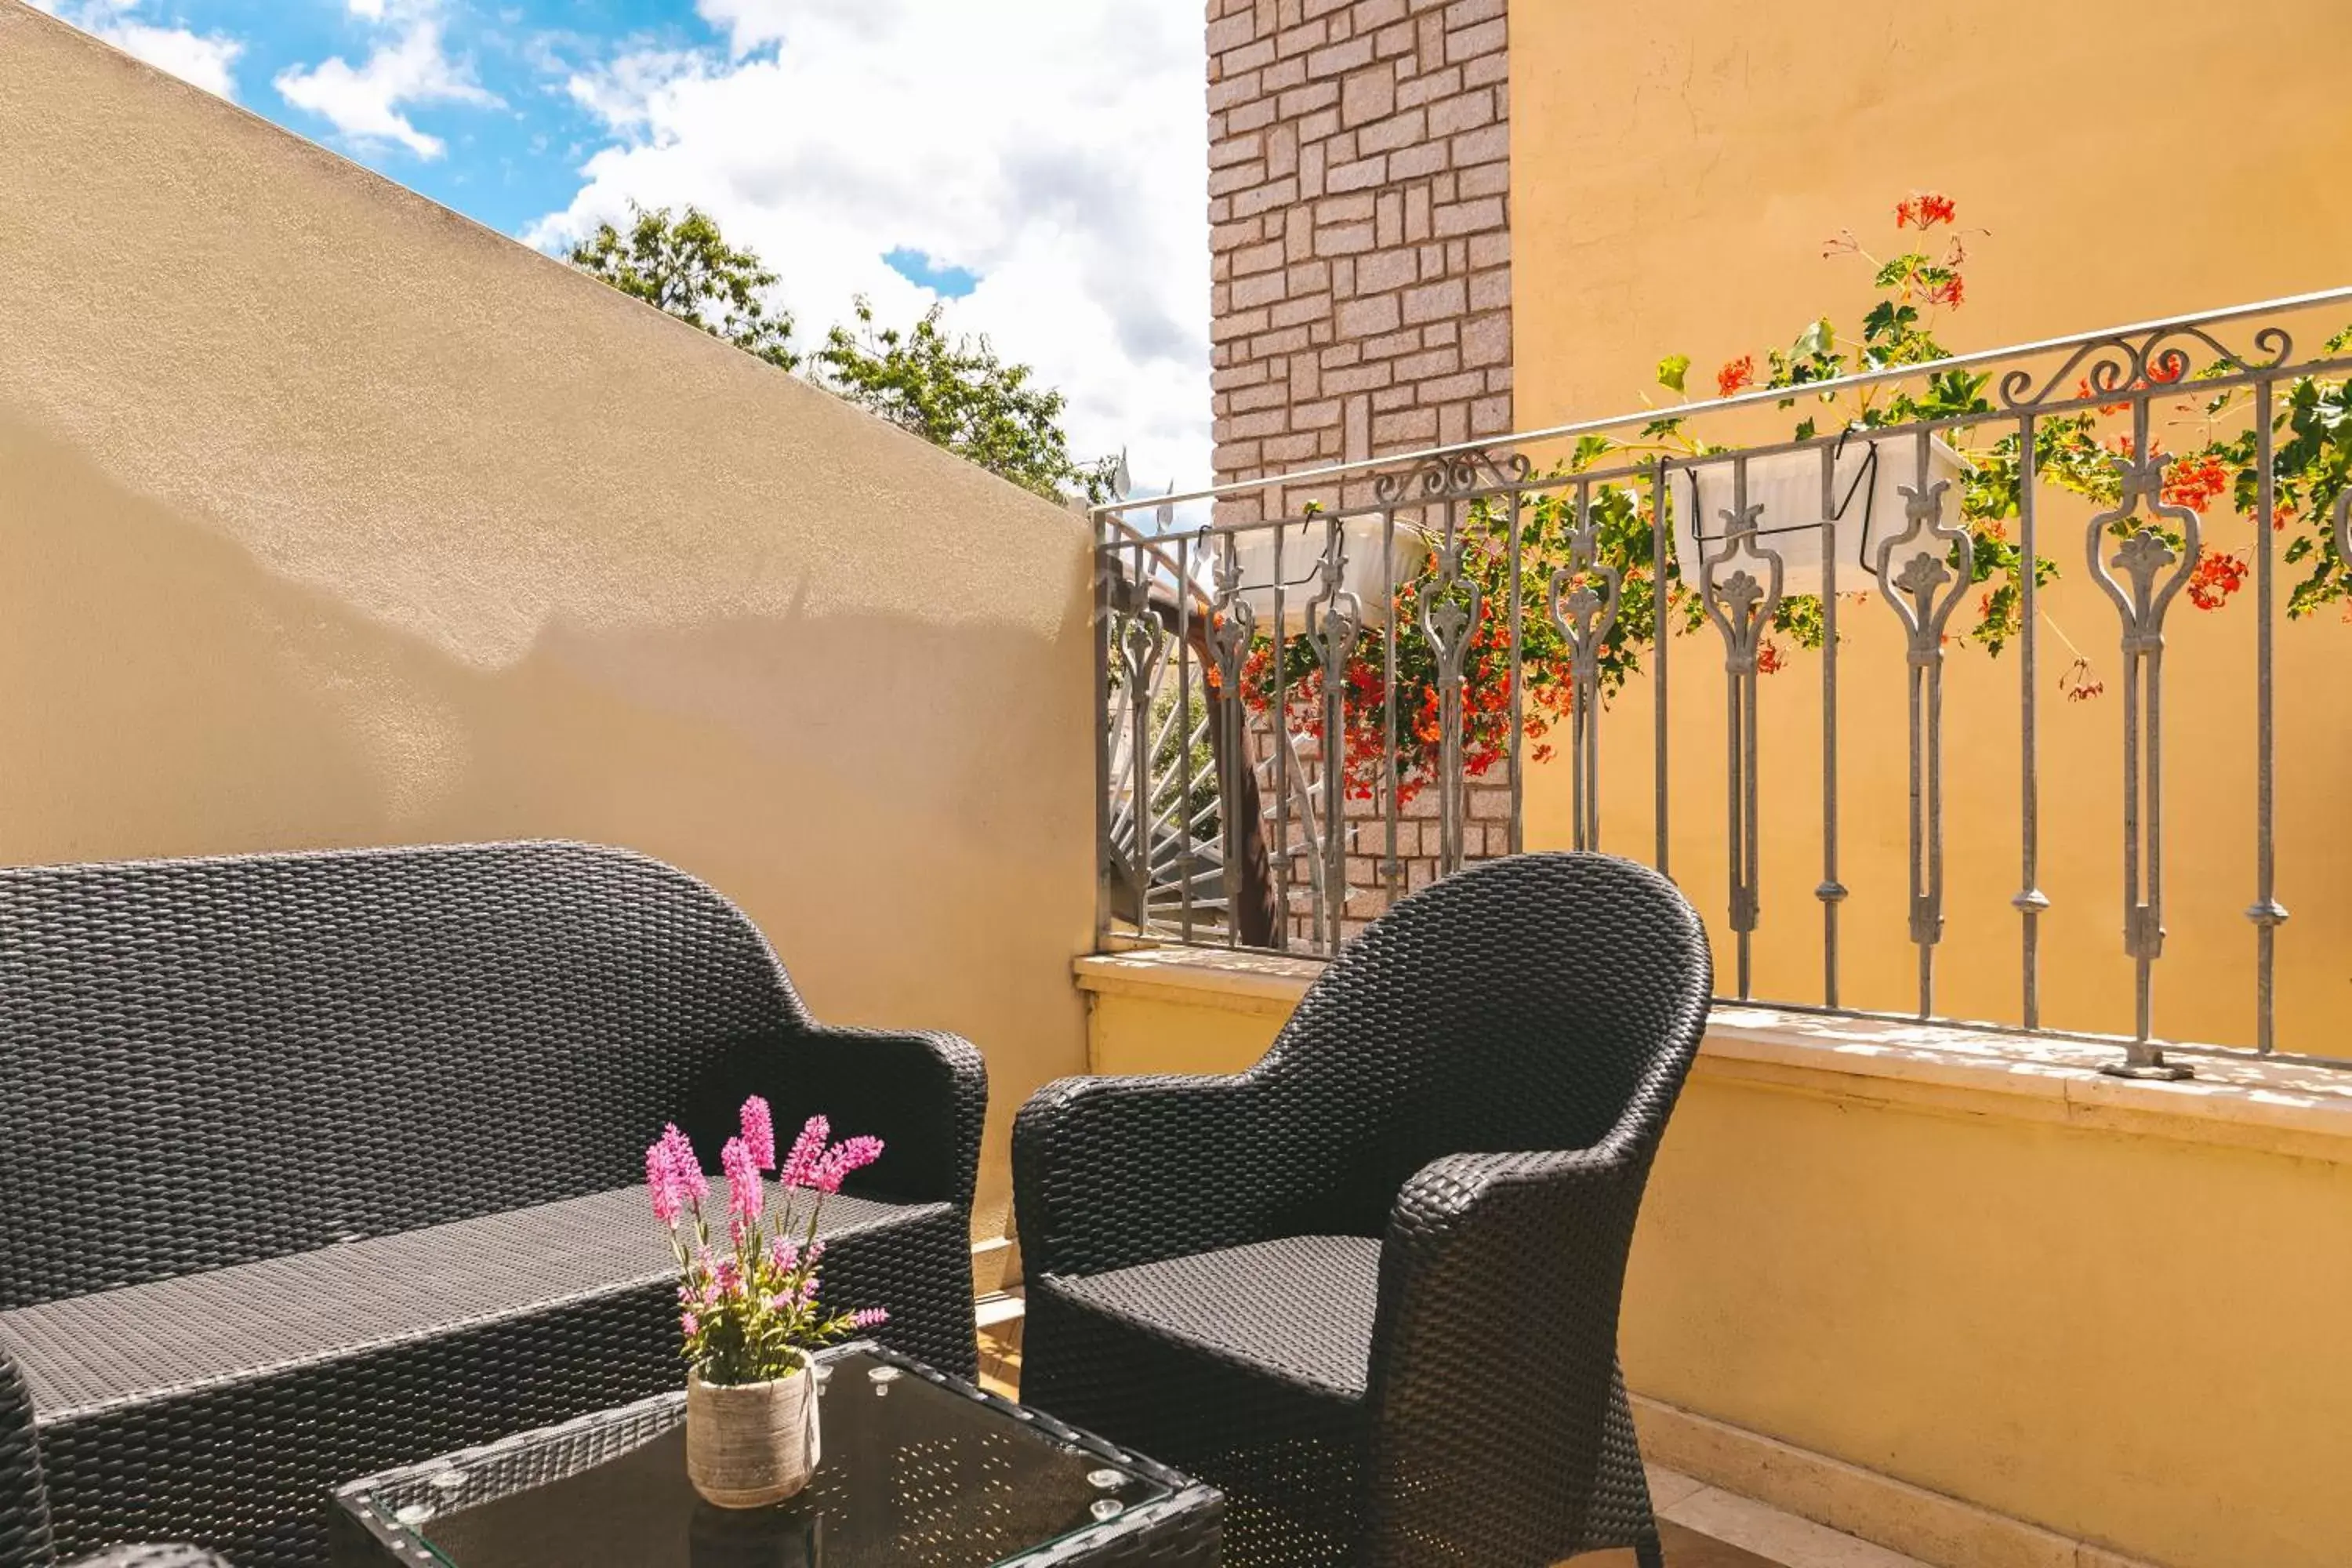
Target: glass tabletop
{"x": 914, "y": 1469}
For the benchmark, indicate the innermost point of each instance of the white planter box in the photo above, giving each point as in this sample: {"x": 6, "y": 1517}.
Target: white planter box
{"x": 1788, "y": 485}
{"x": 1373, "y": 582}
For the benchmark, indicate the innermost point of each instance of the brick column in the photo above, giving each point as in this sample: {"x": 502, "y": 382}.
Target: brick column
{"x": 1360, "y": 204}
{"x": 1359, "y": 184}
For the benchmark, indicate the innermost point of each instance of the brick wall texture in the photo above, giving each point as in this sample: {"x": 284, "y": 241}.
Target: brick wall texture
{"x": 1359, "y": 211}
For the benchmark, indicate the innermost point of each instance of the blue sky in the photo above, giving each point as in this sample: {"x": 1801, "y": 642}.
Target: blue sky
{"x": 1036, "y": 164}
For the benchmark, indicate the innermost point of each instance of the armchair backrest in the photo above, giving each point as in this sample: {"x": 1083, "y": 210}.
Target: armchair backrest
{"x": 270, "y": 1053}
{"x": 1542, "y": 1002}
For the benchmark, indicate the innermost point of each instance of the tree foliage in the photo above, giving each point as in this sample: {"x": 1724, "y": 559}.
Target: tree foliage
{"x": 955, "y": 392}
{"x": 685, "y": 267}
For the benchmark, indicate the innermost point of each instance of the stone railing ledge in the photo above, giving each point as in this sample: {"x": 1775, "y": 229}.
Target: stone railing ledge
{"x": 2293, "y": 1108}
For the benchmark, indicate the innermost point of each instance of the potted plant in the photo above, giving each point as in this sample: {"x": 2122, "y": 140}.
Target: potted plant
{"x": 747, "y": 1310}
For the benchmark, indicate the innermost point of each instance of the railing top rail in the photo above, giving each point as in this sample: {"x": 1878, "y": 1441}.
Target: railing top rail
{"x": 1758, "y": 398}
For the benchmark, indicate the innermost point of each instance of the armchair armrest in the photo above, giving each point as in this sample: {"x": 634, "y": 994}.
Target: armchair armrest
{"x": 1500, "y": 1282}
{"x": 922, "y": 1092}
{"x": 1112, "y": 1172}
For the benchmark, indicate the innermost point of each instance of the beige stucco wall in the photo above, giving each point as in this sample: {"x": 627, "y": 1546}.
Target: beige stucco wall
{"x": 1674, "y": 174}
{"x": 2093, "y": 1319}
{"x": 329, "y": 518}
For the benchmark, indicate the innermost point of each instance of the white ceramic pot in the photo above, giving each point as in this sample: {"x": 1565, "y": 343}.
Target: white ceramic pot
{"x": 752, "y": 1444}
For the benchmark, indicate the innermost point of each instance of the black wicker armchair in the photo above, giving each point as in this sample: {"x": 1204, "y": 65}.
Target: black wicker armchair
{"x": 1370, "y": 1287}
{"x": 319, "y": 1165}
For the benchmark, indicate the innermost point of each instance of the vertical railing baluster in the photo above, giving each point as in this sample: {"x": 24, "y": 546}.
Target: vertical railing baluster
{"x": 2029, "y": 901}
{"x": 1517, "y": 832}
{"x": 1660, "y": 635}
{"x": 1935, "y": 558}
{"x": 1448, "y": 622}
{"x": 2157, "y": 573}
{"x": 1182, "y": 815}
{"x": 2267, "y": 913}
{"x": 1741, "y": 608}
{"x": 1281, "y": 736}
{"x": 1106, "y": 569}
{"x": 1583, "y": 614}
{"x": 1335, "y": 618}
{"x": 1831, "y": 891}
{"x": 1140, "y": 653}
{"x": 1391, "y": 868}
{"x": 1231, "y": 628}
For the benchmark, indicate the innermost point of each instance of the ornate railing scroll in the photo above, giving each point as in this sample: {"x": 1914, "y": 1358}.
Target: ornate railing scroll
{"x": 1335, "y": 619}
{"x": 1583, "y": 602}
{"x": 1741, "y": 604}
{"x": 1923, "y": 573}
{"x": 2157, "y": 571}
{"x": 1428, "y": 671}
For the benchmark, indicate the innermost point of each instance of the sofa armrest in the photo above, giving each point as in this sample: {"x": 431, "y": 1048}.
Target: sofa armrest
{"x": 23, "y": 1501}
{"x": 923, "y": 1093}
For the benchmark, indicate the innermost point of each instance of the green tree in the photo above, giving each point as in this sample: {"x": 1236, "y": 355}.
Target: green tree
{"x": 955, "y": 391}
{"x": 686, "y": 267}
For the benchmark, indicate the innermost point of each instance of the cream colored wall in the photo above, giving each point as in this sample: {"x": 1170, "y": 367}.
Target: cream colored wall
{"x": 2082, "y": 1309}
{"x": 329, "y": 518}
{"x": 2128, "y": 1339}
{"x": 1675, "y": 172}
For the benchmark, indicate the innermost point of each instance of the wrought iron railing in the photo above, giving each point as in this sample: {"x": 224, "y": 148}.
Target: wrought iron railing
{"x": 1360, "y": 677}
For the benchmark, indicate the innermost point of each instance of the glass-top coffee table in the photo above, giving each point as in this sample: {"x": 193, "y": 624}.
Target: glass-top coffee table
{"x": 918, "y": 1469}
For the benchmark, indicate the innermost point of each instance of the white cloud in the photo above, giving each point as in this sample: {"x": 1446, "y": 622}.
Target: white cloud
{"x": 207, "y": 59}
{"x": 410, "y": 67}
{"x": 1054, "y": 147}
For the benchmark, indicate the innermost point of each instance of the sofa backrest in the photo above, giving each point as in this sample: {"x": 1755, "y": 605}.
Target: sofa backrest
{"x": 206, "y": 1062}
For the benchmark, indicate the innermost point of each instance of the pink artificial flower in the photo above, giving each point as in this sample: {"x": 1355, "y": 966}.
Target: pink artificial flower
{"x": 662, "y": 1181}
{"x": 744, "y": 1193}
{"x": 726, "y": 1279}
{"x": 687, "y": 1165}
{"x": 808, "y": 1291}
{"x": 870, "y": 1317}
{"x": 760, "y": 1133}
{"x": 784, "y": 1253}
{"x": 841, "y": 1160}
{"x": 689, "y": 1324}
{"x": 807, "y": 1149}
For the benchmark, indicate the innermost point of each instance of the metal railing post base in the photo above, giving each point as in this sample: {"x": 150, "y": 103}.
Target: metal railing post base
{"x": 2155, "y": 1067}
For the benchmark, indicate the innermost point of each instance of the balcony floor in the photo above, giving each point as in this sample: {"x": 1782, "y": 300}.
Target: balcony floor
{"x": 1703, "y": 1526}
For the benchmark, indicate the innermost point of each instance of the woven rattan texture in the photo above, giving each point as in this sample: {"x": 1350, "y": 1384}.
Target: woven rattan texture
{"x": 246, "y": 1466}
{"x": 23, "y": 1504}
{"x": 1480, "y": 1083}
{"x": 268, "y": 1056}
{"x": 1242, "y": 1304}
{"x": 231, "y": 1323}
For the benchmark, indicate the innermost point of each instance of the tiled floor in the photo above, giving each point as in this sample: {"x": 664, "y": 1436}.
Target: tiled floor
{"x": 1702, "y": 1526}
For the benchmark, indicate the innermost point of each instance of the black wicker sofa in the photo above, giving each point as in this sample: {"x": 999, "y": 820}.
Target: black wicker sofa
{"x": 317, "y": 1165}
